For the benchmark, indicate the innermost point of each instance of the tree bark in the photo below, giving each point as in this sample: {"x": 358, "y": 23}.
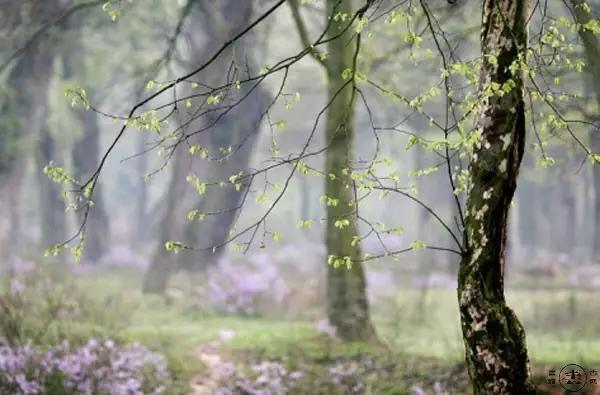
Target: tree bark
{"x": 494, "y": 339}
{"x": 347, "y": 303}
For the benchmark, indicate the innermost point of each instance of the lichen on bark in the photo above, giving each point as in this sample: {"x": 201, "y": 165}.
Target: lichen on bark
{"x": 494, "y": 339}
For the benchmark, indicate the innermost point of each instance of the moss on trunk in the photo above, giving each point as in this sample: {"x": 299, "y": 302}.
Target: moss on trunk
{"x": 494, "y": 339}
{"x": 347, "y": 303}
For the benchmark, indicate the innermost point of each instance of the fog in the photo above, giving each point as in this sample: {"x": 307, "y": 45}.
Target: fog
{"x": 169, "y": 201}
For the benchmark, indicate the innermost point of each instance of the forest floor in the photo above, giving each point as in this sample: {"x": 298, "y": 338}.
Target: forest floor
{"x": 421, "y": 349}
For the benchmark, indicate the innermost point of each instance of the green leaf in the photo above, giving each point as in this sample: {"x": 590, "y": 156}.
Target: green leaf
{"x": 417, "y": 245}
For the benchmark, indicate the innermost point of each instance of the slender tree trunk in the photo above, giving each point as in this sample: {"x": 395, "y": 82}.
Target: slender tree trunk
{"x": 347, "y": 303}
{"x": 86, "y": 154}
{"x": 423, "y": 215}
{"x": 494, "y": 339}
{"x": 13, "y": 132}
{"x": 26, "y": 131}
{"x": 13, "y": 193}
{"x": 305, "y": 198}
{"x": 163, "y": 263}
{"x": 591, "y": 44}
{"x": 51, "y": 206}
{"x": 141, "y": 230}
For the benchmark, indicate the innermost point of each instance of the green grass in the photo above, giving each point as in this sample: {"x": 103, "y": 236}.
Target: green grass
{"x": 419, "y": 331}
{"x": 555, "y": 333}
{"x": 412, "y": 322}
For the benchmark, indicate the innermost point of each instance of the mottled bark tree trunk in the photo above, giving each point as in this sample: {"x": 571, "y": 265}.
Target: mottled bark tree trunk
{"x": 494, "y": 339}
{"x": 347, "y": 303}
{"x": 591, "y": 44}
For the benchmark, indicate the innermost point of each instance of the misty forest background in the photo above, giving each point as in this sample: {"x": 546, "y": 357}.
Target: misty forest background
{"x": 224, "y": 239}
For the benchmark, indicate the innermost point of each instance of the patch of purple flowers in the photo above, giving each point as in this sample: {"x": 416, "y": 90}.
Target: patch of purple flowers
{"x": 266, "y": 378}
{"x": 21, "y": 368}
{"x": 98, "y": 367}
{"x": 240, "y": 287}
{"x": 346, "y": 377}
{"x": 266, "y": 282}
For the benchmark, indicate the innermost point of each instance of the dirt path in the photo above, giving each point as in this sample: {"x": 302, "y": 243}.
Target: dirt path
{"x": 218, "y": 369}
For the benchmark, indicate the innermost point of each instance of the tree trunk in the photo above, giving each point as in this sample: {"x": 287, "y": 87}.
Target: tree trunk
{"x": 16, "y": 105}
{"x": 219, "y": 22}
{"x": 591, "y": 44}
{"x": 305, "y": 198}
{"x": 494, "y": 339}
{"x": 347, "y": 303}
{"x": 51, "y": 206}
{"x": 221, "y": 202}
{"x": 53, "y": 227}
{"x": 85, "y": 156}
{"x": 11, "y": 180}
{"x": 163, "y": 263}
{"x": 141, "y": 230}
{"x": 86, "y": 153}
{"x": 13, "y": 192}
